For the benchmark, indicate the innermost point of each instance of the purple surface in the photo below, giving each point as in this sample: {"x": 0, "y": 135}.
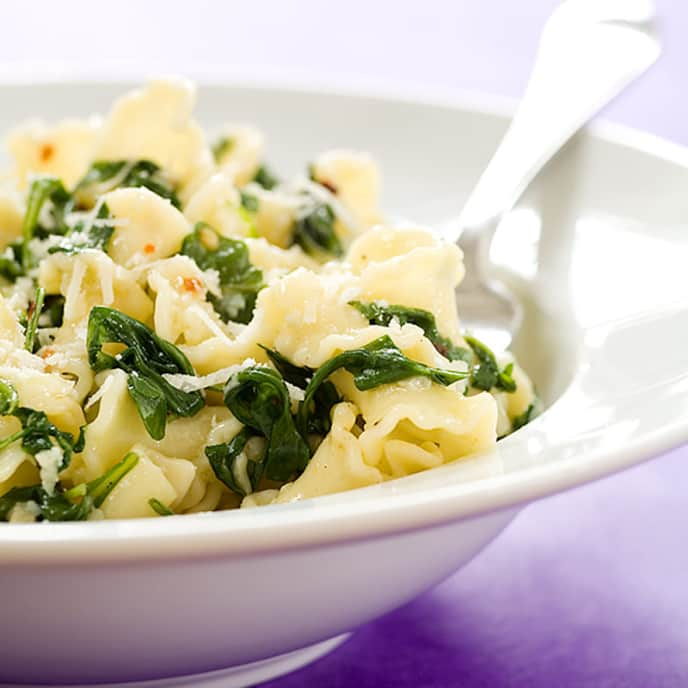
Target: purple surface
{"x": 588, "y": 588}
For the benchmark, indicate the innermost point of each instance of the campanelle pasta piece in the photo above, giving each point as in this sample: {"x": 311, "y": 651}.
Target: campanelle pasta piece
{"x": 276, "y": 262}
{"x": 10, "y": 330}
{"x": 432, "y": 269}
{"x": 381, "y": 243}
{"x": 130, "y": 497}
{"x": 16, "y": 466}
{"x": 337, "y": 465}
{"x": 91, "y": 278}
{"x": 147, "y": 227}
{"x": 13, "y": 456}
{"x": 411, "y": 427}
{"x": 49, "y": 393}
{"x": 276, "y": 214}
{"x": 66, "y": 355}
{"x": 63, "y": 150}
{"x": 155, "y": 123}
{"x": 354, "y": 178}
{"x": 11, "y": 215}
{"x": 182, "y": 313}
{"x": 217, "y": 203}
{"x": 241, "y": 151}
{"x": 117, "y": 427}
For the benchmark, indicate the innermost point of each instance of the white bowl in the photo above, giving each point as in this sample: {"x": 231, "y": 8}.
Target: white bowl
{"x": 597, "y": 251}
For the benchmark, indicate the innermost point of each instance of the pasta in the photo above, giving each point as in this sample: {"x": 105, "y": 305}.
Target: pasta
{"x": 182, "y": 331}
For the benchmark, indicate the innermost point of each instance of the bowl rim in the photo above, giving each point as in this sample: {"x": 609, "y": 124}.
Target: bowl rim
{"x": 328, "y": 519}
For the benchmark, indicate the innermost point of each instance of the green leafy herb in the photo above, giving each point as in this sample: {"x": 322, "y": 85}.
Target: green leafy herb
{"x": 84, "y": 235}
{"x": 524, "y": 418}
{"x": 37, "y": 434}
{"x": 223, "y": 460}
{"x": 240, "y": 280}
{"x": 325, "y": 397}
{"x": 265, "y": 178}
{"x": 159, "y": 507}
{"x": 221, "y": 147}
{"x": 486, "y": 373}
{"x": 258, "y": 398}
{"x": 314, "y": 231}
{"x": 9, "y": 399}
{"x": 378, "y": 363}
{"x": 71, "y": 505}
{"x": 105, "y": 175}
{"x": 383, "y": 315}
{"x": 33, "y": 314}
{"x": 146, "y": 358}
{"x": 53, "y": 311}
{"x": 249, "y": 201}
{"x": 43, "y": 190}
{"x": 11, "y": 265}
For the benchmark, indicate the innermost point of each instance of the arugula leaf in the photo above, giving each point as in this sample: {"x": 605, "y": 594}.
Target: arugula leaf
{"x": 33, "y": 314}
{"x": 486, "y": 373}
{"x": 146, "y": 359}
{"x": 9, "y": 399}
{"x": 524, "y": 418}
{"x": 326, "y": 396}
{"x": 378, "y": 363}
{"x": 265, "y": 178}
{"x": 249, "y": 201}
{"x": 159, "y": 507}
{"x": 11, "y": 265}
{"x": 96, "y": 236}
{"x": 71, "y": 505}
{"x": 314, "y": 231}
{"x": 258, "y": 398}
{"x": 42, "y": 190}
{"x": 223, "y": 145}
{"x": 383, "y": 315}
{"x": 240, "y": 280}
{"x": 105, "y": 175}
{"x": 53, "y": 311}
{"x": 223, "y": 457}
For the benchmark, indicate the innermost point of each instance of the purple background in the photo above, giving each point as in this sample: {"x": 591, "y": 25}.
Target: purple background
{"x": 588, "y": 588}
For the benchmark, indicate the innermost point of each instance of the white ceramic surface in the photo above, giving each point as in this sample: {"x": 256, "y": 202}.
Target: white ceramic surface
{"x": 597, "y": 252}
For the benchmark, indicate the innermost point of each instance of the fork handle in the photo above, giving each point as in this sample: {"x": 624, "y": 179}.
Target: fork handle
{"x": 589, "y": 51}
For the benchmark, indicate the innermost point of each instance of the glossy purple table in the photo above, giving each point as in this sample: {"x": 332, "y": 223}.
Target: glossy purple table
{"x": 588, "y": 588}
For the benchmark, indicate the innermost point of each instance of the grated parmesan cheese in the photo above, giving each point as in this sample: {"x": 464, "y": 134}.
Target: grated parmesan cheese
{"x": 49, "y": 462}
{"x": 193, "y": 383}
{"x": 295, "y": 393}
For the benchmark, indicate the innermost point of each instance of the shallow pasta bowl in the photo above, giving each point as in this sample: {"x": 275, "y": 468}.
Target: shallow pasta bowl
{"x": 596, "y": 251}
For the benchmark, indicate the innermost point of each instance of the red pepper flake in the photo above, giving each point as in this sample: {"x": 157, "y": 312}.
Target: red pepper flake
{"x": 46, "y": 352}
{"x": 328, "y": 185}
{"x": 47, "y": 151}
{"x": 30, "y": 309}
{"x": 193, "y": 284}
{"x": 149, "y": 248}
